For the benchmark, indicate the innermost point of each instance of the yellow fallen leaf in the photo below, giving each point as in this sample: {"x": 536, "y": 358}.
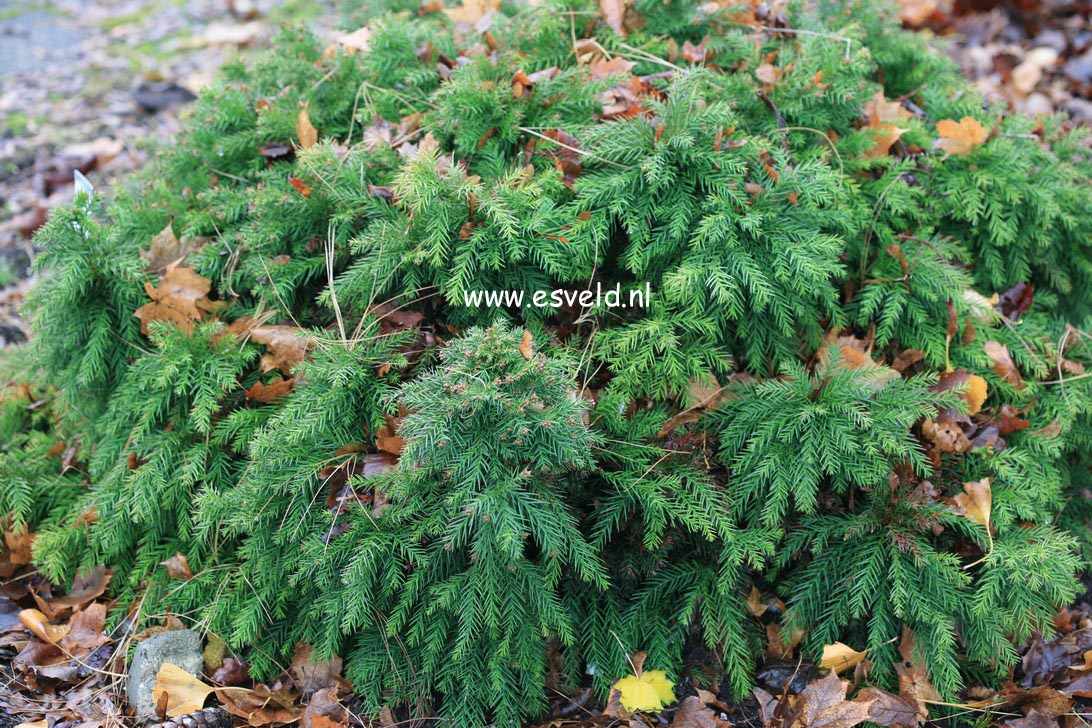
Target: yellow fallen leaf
{"x": 975, "y": 393}
{"x": 185, "y": 693}
{"x": 976, "y": 502}
{"x": 839, "y": 657}
{"x": 651, "y": 690}
{"x": 37, "y": 623}
{"x": 961, "y": 137}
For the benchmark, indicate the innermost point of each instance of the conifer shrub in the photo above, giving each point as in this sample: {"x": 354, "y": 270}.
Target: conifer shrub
{"x": 858, "y": 384}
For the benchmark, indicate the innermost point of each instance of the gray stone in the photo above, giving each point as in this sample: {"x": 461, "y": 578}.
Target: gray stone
{"x": 180, "y": 647}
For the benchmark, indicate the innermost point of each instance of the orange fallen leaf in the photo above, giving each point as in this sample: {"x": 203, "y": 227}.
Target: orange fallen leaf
{"x": 961, "y": 137}
{"x": 271, "y": 392}
{"x": 526, "y": 346}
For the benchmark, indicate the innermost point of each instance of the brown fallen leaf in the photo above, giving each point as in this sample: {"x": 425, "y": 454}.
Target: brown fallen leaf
{"x": 1003, "y": 364}
{"x": 184, "y": 692}
{"x": 305, "y": 130}
{"x": 693, "y": 713}
{"x": 312, "y": 675}
{"x": 602, "y": 69}
{"x": 976, "y": 500}
{"x": 888, "y": 709}
{"x": 614, "y": 12}
{"x": 176, "y": 299}
{"x": 85, "y": 630}
{"x": 768, "y": 73}
{"x": 178, "y": 567}
{"x": 86, "y": 587}
{"x": 286, "y": 346}
{"x": 822, "y": 704}
{"x": 704, "y": 392}
{"x": 271, "y": 392}
{"x": 960, "y": 138}
{"x": 914, "y": 676}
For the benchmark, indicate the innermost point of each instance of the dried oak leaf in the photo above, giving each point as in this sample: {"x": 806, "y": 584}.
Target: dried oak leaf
{"x": 960, "y": 138}
{"x": 180, "y": 298}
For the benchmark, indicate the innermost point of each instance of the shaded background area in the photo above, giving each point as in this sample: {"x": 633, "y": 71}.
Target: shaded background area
{"x": 93, "y": 86}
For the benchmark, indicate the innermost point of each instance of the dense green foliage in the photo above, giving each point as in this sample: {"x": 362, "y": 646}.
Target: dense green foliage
{"x": 619, "y": 479}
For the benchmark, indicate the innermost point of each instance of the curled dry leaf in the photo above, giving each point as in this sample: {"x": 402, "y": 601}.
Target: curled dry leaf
{"x": 85, "y": 630}
{"x": 286, "y": 346}
{"x": 166, "y": 249}
{"x": 768, "y": 73}
{"x": 960, "y": 138}
{"x": 693, "y": 713}
{"x": 40, "y": 627}
{"x": 87, "y": 586}
{"x": 324, "y": 711}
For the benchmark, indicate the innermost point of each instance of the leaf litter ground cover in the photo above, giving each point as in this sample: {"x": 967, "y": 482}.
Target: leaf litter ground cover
{"x": 71, "y": 665}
